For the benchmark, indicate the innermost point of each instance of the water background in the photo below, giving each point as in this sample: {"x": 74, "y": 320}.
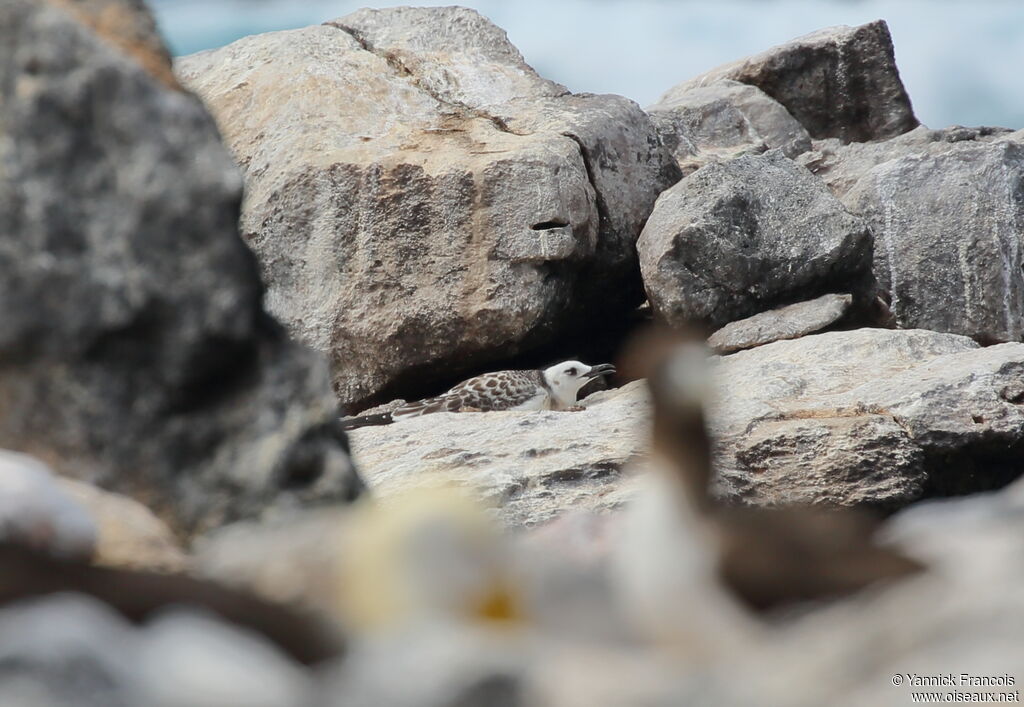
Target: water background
{"x": 961, "y": 60}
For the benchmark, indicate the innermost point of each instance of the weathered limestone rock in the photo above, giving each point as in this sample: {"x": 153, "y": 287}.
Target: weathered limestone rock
{"x": 722, "y": 120}
{"x": 947, "y": 222}
{"x": 420, "y": 200}
{"x": 837, "y": 82}
{"x": 789, "y": 322}
{"x": 134, "y": 351}
{"x": 842, "y": 165}
{"x": 531, "y": 465}
{"x": 734, "y": 239}
{"x": 869, "y": 416}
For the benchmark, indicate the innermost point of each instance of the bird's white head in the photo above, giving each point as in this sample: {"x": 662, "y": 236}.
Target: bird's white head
{"x": 565, "y": 379}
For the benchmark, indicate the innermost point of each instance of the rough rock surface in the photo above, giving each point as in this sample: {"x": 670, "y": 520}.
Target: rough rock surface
{"x": 947, "y": 222}
{"x": 842, "y": 165}
{"x": 420, "y": 200}
{"x": 134, "y": 352}
{"x": 838, "y": 82}
{"x": 869, "y": 416}
{"x": 531, "y": 465}
{"x": 789, "y": 322}
{"x": 128, "y": 534}
{"x": 734, "y": 239}
{"x": 722, "y": 120}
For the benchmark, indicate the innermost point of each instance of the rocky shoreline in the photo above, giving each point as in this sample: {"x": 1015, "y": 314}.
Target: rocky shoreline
{"x": 208, "y": 262}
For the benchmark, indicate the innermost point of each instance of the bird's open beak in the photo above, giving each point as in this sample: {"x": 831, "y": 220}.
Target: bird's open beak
{"x": 601, "y": 369}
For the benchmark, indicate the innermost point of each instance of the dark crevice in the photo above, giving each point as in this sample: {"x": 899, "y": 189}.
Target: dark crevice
{"x": 602, "y": 207}
{"x": 549, "y": 225}
{"x": 582, "y": 339}
{"x": 975, "y": 468}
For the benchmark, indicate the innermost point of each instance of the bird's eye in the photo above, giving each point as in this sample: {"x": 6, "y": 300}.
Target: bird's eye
{"x": 571, "y": 371}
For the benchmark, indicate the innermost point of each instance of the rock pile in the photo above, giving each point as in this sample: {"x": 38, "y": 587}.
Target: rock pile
{"x": 420, "y": 205}
{"x": 422, "y": 202}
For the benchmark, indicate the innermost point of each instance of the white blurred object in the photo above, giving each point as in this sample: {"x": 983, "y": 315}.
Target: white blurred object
{"x": 37, "y": 513}
{"x": 63, "y": 650}
{"x": 664, "y": 571}
{"x": 190, "y": 660}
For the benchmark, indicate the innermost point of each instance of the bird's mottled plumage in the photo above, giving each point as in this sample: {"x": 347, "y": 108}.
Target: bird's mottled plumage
{"x": 500, "y": 390}
{"x": 552, "y": 388}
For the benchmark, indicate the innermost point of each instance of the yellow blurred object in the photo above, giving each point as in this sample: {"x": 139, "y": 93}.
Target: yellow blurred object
{"x": 431, "y": 553}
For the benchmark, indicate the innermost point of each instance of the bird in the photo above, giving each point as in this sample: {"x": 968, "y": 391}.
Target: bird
{"x": 767, "y": 558}
{"x": 552, "y": 388}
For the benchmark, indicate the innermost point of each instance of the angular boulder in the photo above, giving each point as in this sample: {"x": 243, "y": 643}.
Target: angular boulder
{"x": 839, "y": 82}
{"x": 423, "y": 203}
{"x": 870, "y": 416}
{"x": 841, "y": 165}
{"x": 722, "y": 120}
{"x": 734, "y": 239}
{"x": 948, "y": 221}
{"x": 135, "y": 351}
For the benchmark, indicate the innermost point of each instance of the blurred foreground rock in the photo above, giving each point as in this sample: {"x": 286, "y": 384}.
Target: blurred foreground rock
{"x": 135, "y": 351}
{"x": 72, "y": 650}
{"x": 421, "y": 201}
{"x": 38, "y": 512}
{"x": 128, "y": 534}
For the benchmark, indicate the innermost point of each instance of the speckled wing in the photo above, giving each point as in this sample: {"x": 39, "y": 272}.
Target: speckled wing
{"x": 502, "y": 390}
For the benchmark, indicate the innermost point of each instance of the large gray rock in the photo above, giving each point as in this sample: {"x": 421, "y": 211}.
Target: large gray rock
{"x": 722, "y": 120}
{"x": 737, "y": 238}
{"x": 532, "y": 466}
{"x": 135, "y": 352}
{"x": 420, "y": 200}
{"x": 947, "y": 222}
{"x": 871, "y": 416}
{"x": 837, "y": 82}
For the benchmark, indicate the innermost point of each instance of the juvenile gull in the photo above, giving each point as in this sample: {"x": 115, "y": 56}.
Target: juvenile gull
{"x": 552, "y": 388}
